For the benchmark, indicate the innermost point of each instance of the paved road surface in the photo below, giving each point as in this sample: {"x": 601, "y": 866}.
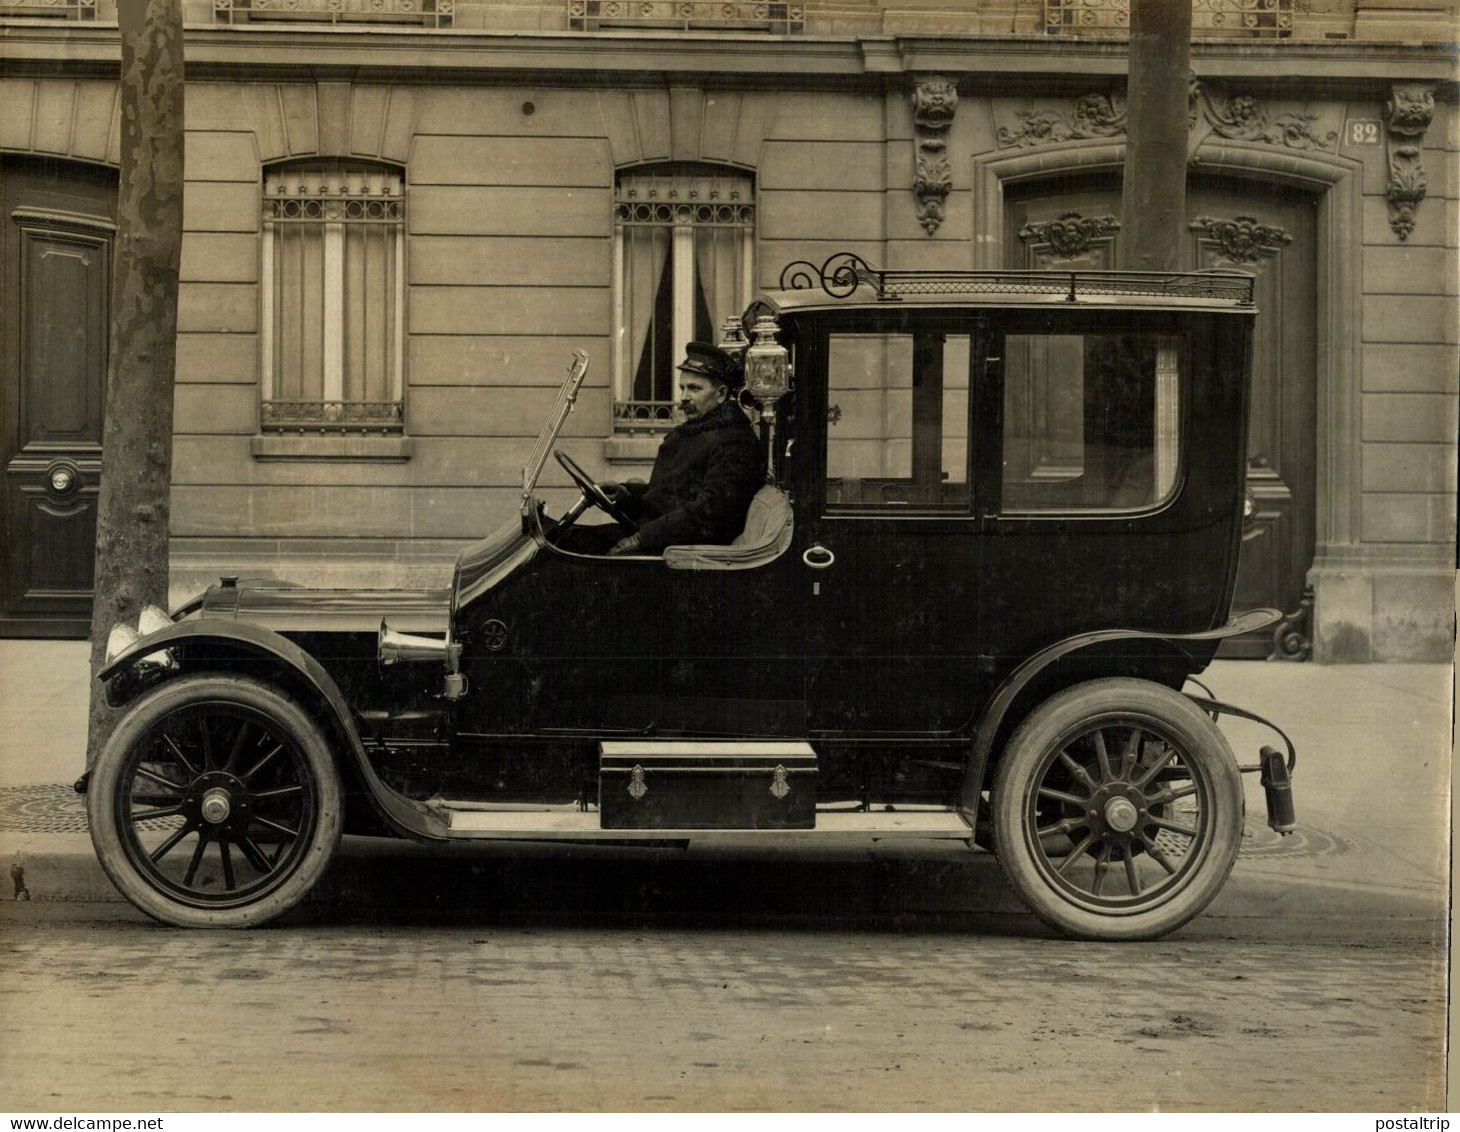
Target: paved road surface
{"x": 100, "y": 1010}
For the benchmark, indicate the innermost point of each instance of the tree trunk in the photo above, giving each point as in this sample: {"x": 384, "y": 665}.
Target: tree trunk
{"x": 133, "y": 508}
{"x": 1153, "y": 190}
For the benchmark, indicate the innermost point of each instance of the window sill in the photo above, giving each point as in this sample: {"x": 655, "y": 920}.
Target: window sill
{"x": 632, "y": 449}
{"x": 334, "y": 449}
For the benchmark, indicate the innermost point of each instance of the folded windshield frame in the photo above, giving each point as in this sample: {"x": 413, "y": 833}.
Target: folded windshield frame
{"x": 567, "y": 398}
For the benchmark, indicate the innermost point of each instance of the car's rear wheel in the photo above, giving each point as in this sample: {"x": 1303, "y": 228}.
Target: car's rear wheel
{"x": 215, "y": 803}
{"x": 1117, "y": 810}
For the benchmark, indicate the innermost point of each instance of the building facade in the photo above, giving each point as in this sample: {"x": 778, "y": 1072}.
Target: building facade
{"x": 402, "y": 216}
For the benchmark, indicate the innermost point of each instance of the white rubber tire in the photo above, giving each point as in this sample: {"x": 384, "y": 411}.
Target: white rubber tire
{"x": 1062, "y": 720}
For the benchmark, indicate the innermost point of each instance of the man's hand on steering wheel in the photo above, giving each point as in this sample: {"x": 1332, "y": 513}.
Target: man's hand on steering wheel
{"x": 596, "y": 494}
{"x": 616, "y": 492}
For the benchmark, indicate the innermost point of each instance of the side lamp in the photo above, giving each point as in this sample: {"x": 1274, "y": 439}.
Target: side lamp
{"x": 767, "y": 379}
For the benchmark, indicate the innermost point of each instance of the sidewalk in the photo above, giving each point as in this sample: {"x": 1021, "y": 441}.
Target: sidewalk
{"x": 1372, "y": 790}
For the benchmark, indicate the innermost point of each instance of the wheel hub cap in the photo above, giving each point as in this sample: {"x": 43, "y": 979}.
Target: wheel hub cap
{"x": 1121, "y": 815}
{"x": 216, "y": 805}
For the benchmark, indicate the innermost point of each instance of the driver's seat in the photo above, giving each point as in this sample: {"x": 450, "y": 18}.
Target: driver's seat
{"x": 767, "y": 534}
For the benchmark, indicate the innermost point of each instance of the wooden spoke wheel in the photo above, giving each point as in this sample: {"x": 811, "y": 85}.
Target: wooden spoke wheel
{"x": 215, "y": 803}
{"x": 1117, "y": 810}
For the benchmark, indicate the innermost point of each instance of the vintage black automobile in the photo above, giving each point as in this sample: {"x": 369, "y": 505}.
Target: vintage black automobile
{"x": 999, "y": 534}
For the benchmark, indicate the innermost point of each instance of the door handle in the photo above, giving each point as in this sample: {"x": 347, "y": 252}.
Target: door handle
{"x": 817, "y": 557}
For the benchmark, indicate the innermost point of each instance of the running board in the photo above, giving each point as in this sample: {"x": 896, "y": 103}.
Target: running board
{"x": 552, "y": 825}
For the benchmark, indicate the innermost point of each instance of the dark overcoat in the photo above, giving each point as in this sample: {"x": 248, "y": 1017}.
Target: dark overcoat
{"x": 705, "y": 475}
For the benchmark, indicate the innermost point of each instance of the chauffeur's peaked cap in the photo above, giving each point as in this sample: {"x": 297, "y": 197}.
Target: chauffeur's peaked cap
{"x": 712, "y": 362}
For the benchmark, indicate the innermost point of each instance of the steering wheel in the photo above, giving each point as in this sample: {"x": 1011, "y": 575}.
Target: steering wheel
{"x": 592, "y": 492}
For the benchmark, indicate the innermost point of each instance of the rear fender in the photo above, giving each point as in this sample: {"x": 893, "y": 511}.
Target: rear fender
{"x": 1012, "y": 701}
{"x": 219, "y": 646}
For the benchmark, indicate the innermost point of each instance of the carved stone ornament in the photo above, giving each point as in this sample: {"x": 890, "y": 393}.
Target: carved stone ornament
{"x": 1098, "y": 116}
{"x": 1070, "y": 236}
{"x": 1092, "y": 116}
{"x": 1241, "y": 118}
{"x": 935, "y": 101}
{"x": 1407, "y": 114}
{"x": 1245, "y": 118}
{"x": 1410, "y": 109}
{"x": 1242, "y": 239}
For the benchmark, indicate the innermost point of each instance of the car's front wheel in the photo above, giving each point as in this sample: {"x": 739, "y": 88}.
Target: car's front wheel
{"x": 215, "y": 803}
{"x": 1117, "y": 810}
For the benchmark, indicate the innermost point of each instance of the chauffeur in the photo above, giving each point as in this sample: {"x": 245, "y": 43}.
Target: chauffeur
{"x": 707, "y": 470}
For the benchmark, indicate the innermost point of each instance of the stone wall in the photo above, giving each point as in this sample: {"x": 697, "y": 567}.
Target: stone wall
{"x": 509, "y": 241}
{"x": 1388, "y": 593}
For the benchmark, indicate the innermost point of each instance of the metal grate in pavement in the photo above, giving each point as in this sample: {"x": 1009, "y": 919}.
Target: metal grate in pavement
{"x": 53, "y": 808}
{"x": 1260, "y": 842}
{"x": 42, "y": 809}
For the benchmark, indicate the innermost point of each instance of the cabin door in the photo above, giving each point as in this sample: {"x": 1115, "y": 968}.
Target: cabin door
{"x": 55, "y": 255}
{"x": 889, "y": 568}
{"x": 1270, "y": 234}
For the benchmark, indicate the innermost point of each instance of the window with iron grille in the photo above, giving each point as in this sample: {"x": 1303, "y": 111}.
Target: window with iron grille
{"x": 332, "y": 340}
{"x": 420, "y": 13}
{"x": 688, "y": 15}
{"x": 1248, "y": 19}
{"x": 50, "y": 9}
{"x": 684, "y": 240}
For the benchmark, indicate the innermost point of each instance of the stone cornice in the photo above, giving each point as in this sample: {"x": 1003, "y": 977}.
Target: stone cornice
{"x": 614, "y": 57}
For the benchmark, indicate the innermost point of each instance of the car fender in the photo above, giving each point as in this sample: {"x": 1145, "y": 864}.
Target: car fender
{"x": 231, "y": 646}
{"x": 999, "y": 704}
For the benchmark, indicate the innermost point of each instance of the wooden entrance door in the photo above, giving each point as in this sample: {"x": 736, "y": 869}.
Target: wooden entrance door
{"x": 1270, "y": 234}
{"x": 55, "y": 255}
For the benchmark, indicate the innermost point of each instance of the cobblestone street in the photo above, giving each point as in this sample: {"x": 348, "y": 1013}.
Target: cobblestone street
{"x": 339, "y": 1016}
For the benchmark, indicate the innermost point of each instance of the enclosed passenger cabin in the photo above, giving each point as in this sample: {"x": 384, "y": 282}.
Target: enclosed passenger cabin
{"x": 1064, "y": 453}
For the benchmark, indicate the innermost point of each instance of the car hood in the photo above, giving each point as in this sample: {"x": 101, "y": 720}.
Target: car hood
{"x": 288, "y": 608}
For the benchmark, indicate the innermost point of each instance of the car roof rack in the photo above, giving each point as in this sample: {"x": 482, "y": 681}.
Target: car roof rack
{"x": 841, "y": 274}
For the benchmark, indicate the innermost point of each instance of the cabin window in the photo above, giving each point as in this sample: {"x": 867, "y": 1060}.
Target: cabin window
{"x": 897, "y": 421}
{"x": 1091, "y": 422}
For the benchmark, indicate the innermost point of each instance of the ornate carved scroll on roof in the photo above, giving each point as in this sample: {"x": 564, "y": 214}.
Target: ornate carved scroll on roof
{"x": 1407, "y": 115}
{"x": 935, "y": 101}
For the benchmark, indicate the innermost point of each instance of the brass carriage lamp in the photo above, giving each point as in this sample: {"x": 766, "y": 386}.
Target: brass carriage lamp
{"x": 767, "y": 379}
{"x": 732, "y": 336}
